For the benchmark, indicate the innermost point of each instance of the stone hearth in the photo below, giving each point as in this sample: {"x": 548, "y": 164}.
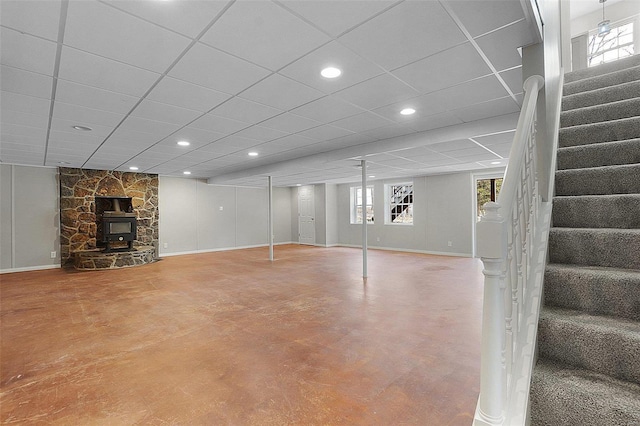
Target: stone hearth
{"x": 97, "y": 259}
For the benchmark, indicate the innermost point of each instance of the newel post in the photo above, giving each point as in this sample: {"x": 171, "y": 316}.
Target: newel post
{"x": 491, "y": 234}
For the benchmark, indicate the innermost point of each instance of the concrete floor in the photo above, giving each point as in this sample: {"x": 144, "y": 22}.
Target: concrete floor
{"x": 228, "y": 338}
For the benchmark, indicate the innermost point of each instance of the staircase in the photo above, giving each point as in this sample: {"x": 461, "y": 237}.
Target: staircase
{"x": 588, "y": 370}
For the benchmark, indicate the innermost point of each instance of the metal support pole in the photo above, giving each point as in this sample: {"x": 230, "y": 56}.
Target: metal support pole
{"x": 270, "y": 218}
{"x": 364, "y": 218}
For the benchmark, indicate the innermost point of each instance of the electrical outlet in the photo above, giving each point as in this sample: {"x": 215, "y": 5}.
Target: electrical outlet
{"x": 165, "y": 245}
{"x": 54, "y": 254}
{"x": 449, "y": 243}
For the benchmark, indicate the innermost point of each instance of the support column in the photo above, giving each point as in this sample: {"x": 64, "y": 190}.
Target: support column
{"x": 363, "y": 163}
{"x": 270, "y": 218}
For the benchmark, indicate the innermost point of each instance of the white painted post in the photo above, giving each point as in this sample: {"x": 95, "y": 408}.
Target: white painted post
{"x": 492, "y": 248}
{"x": 364, "y": 218}
{"x": 270, "y": 218}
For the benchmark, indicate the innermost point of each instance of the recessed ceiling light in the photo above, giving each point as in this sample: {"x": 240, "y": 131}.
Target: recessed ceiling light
{"x": 184, "y": 143}
{"x": 83, "y": 128}
{"x": 133, "y": 168}
{"x": 253, "y": 154}
{"x": 186, "y": 172}
{"x": 407, "y": 111}
{"x": 298, "y": 184}
{"x": 330, "y": 72}
{"x": 371, "y": 177}
{"x": 495, "y": 162}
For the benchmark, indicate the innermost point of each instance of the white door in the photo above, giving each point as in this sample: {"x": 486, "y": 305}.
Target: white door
{"x": 306, "y": 215}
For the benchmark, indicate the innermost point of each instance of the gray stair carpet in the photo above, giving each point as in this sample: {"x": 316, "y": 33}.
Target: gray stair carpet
{"x": 588, "y": 368}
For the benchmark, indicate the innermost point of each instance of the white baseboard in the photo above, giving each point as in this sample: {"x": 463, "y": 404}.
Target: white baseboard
{"x": 180, "y": 253}
{"x": 30, "y": 268}
{"x": 436, "y": 253}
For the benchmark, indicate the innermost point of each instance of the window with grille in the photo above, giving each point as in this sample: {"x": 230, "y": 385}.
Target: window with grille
{"x": 399, "y": 203}
{"x": 616, "y": 45}
{"x": 356, "y": 205}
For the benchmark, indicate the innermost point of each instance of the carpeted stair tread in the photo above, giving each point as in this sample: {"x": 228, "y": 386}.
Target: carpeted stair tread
{"x": 606, "y": 345}
{"x": 566, "y": 396}
{"x": 603, "y": 80}
{"x": 593, "y": 290}
{"x": 602, "y": 96}
{"x": 606, "y": 131}
{"x": 597, "y": 211}
{"x": 613, "y": 248}
{"x": 599, "y": 154}
{"x": 599, "y": 113}
{"x": 618, "y": 179}
{"x": 602, "y": 69}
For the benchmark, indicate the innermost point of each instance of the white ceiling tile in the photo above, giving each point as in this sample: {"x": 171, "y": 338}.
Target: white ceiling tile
{"x": 218, "y": 124}
{"x": 229, "y": 145}
{"x": 103, "y": 30}
{"x": 186, "y": 95}
{"x": 501, "y": 46}
{"x": 103, "y": 73}
{"x": 362, "y": 122}
{"x": 166, "y": 113}
{"x": 472, "y": 92}
{"x": 250, "y": 30}
{"x": 91, "y": 97}
{"x": 24, "y": 119}
{"x": 325, "y": 132}
{"x": 379, "y": 91}
{"x": 185, "y": 17}
{"x": 388, "y": 132}
{"x": 84, "y": 116}
{"x": 336, "y": 16}
{"x": 25, "y": 82}
{"x": 10, "y": 101}
{"x": 327, "y": 109}
{"x": 488, "y": 109}
{"x": 62, "y": 125}
{"x": 502, "y": 149}
{"x": 245, "y": 111}
{"x": 479, "y": 17}
{"x": 349, "y": 140}
{"x": 281, "y": 92}
{"x": 143, "y": 125}
{"x": 447, "y": 68}
{"x": 79, "y": 139}
{"x": 293, "y": 141}
{"x": 24, "y": 131}
{"x": 260, "y": 133}
{"x": 354, "y": 68}
{"x": 19, "y": 139}
{"x": 436, "y": 121}
{"x": 196, "y": 137}
{"x": 499, "y": 138}
{"x": 425, "y": 105}
{"x": 453, "y": 145}
{"x": 513, "y": 78}
{"x": 128, "y": 137}
{"x": 290, "y": 123}
{"x": 425, "y": 29}
{"x": 27, "y": 52}
{"x": 39, "y": 17}
{"x": 15, "y": 148}
{"x": 217, "y": 70}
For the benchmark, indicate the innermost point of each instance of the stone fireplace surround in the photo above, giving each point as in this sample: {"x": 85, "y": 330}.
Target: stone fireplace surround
{"x": 78, "y": 189}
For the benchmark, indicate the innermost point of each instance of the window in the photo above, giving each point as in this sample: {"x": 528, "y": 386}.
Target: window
{"x": 616, "y": 45}
{"x": 356, "y": 204}
{"x": 399, "y": 203}
{"x": 487, "y": 190}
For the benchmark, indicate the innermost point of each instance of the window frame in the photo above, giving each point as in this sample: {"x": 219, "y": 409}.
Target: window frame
{"x": 593, "y": 36}
{"x": 353, "y": 214}
{"x": 388, "y": 190}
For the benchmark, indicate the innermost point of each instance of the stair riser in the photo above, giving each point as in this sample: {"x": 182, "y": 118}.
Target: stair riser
{"x": 614, "y": 354}
{"x": 599, "y": 181}
{"x": 597, "y": 212}
{"x": 602, "y": 96}
{"x": 595, "y": 247}
{"x": 594, "y": 292}
{"x": 602, "y": 69}
{"x": 598, "y": 155}
{"x": 608, "y": 131}
{"x": 606, "y": 80}
{"x": 599, "y": 113}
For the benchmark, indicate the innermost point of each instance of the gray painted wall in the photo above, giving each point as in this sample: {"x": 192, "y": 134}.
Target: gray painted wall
{"x": 320, "y": 206}
{"x": 195, "y": 216}
{"x": 29, "y": 217}
{"x": 332, "y": 214}
{"x": 442, "y": 212}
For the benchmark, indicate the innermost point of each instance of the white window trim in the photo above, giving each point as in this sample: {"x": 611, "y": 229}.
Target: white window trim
{"x": 387, "y": 204}
{"x": 634, "y": 42}
{"x": 352, "y": 205}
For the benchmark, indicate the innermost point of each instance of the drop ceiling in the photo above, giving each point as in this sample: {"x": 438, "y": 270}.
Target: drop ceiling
{"x": 233, "y": 77}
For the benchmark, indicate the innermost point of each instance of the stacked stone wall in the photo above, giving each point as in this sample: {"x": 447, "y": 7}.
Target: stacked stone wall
{"x": 78, "y": 189}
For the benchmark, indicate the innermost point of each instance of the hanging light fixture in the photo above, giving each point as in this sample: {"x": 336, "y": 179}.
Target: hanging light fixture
{"x": 604, "y": 27}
